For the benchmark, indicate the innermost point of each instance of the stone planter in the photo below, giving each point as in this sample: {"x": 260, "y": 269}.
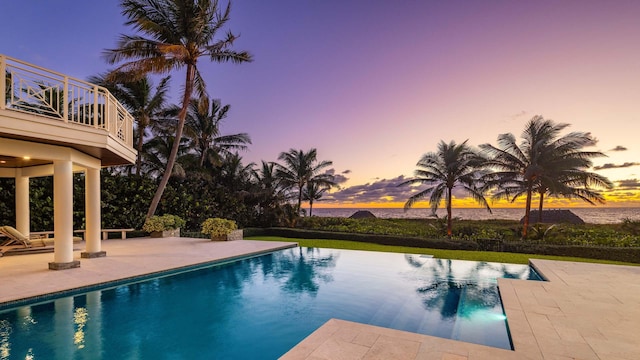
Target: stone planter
{"x": 166, "y": 233}
{"x": 234, "y": 235}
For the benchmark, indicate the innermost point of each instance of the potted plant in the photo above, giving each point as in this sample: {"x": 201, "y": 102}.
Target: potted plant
{"x": 163, "y": 226}
{"x": 221, "y": 229}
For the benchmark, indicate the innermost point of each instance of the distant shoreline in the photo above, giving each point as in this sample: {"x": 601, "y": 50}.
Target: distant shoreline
{"x": 593, "y": 215}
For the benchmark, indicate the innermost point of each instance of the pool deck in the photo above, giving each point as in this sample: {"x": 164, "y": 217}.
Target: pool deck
{"x": 584, "y": 311}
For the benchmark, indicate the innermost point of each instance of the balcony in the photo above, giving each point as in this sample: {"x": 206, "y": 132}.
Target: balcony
{"x": 45, "y": 107}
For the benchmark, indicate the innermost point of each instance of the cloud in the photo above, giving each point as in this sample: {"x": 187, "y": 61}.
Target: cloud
{"x": 629, "y": 184}
{"x": 615, "y": 166}
{"x": 619, "y": 148}
{"x": 519, "y": 114}
{"x": 338, "y": 178}
{"x": 381, "y": 191}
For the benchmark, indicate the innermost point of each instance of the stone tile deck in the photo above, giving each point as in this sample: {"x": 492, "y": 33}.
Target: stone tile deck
{"x": 25, "y": 276}
{"x": 584, "y": 311}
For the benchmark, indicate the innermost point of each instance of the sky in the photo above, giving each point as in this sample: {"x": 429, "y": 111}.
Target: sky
{"x": 373, "y": 85}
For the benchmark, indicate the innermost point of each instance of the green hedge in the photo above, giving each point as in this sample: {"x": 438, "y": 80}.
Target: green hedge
{"x": 627, "y": 254}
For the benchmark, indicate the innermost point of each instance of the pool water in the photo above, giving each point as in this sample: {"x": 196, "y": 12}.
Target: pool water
{"x": 259, "y": 308}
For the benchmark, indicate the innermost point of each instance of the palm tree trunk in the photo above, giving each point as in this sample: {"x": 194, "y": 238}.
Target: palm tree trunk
{"x": 188, "y": 89}
{"x": 310, "y": 208}
{"x": 299, "y": 198}
{"x": 140, "y": 143}
{"x": 202, "y": 156}
{"x": 527, "y": 212}
{"x": 540, "y": 207}
{"x": 449, "y": 220}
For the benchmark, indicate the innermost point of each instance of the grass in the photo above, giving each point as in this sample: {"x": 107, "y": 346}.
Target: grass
{"x": 489, "y": 256}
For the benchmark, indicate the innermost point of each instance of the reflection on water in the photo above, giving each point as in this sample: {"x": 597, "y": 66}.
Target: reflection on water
{"x": 271, "y": 301}
{"x": 5, "y": 345}
{"x": 465, "y": 296}
{"x": 305, "y": 269}
{"x": 80, "y": 320}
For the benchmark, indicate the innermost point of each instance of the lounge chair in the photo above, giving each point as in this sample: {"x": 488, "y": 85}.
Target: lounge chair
{"x": 17, "y": 242}
{"x": 14, "y": 236}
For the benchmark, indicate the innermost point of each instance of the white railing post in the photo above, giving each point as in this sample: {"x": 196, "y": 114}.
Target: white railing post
{"x": 3, "y": 83}
{"x": 95, "y": 107}
{"x": 107, "y": 111}
{"x": 65, "y": 100}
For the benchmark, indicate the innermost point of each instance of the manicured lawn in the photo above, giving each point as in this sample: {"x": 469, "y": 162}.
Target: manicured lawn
{"x": 489, "y": 256}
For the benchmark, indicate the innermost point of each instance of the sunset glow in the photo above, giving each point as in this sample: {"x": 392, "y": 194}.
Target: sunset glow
{"x": 375, "y": 85}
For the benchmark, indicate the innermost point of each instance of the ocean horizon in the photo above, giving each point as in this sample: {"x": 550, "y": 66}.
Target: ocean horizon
{"x": 595, "y": 215}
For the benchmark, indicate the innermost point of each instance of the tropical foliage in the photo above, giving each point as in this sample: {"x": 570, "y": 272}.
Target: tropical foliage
{"x": 452, "y": 166}
{"x": 543, "y": 163}
{"x": 216, "y": 227}
{"x": 610, "y": 235}
{"x": 302, "y": 169}
{"x": 172, "y": 35}
{"x": 162, "y": 223}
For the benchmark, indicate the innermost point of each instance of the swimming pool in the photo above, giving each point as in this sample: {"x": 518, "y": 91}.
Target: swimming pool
{"x": 258, "y": 308}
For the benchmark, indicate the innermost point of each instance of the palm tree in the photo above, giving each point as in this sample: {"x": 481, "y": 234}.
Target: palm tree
{"x": 156, "y": 153}
{"x": 144, "y": 103}
{"x": 300, "y": 168}
{"x": 232, "y": 173}
{"x": 453, "y": 165}
{"x": 178, "y": 33}
{"x": 203, "y": 128}
{"x": 566, "y": 174}
{"x": 542, "y": 163}
{"x": 313, "y": 191}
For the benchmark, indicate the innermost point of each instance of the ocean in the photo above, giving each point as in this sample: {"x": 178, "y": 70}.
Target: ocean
{"x": 594, "y": 215}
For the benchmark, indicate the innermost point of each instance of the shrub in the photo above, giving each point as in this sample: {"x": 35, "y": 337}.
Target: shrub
{"x": 215, "y": 227}
{"x": 162, "y": 223}
{"x": 631, "y": 226}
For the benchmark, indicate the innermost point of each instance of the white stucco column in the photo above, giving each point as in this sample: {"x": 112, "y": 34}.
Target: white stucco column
{"x": 92, "y": 214}
{"x": 63, "y": 216}
{"x": 22, "y": 203}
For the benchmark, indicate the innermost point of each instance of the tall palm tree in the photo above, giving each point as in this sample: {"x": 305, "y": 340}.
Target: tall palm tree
{"x": 203, "y": 128}
{"x": 143, "y": 102}
{"x": 565, "y": 171}
{"x": 453, "y": 165}
{"x": 543, "y": 163}
{"x": 300, "y": 168}
{"x": 170, "y": 35}
{"x": 313, "y": 191}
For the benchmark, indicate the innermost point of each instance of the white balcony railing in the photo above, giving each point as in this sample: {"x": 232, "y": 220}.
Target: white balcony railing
{"x": 32, "y": 89}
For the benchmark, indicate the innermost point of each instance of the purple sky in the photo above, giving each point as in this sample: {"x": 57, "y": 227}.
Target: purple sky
{"x": 373, "y": 84}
